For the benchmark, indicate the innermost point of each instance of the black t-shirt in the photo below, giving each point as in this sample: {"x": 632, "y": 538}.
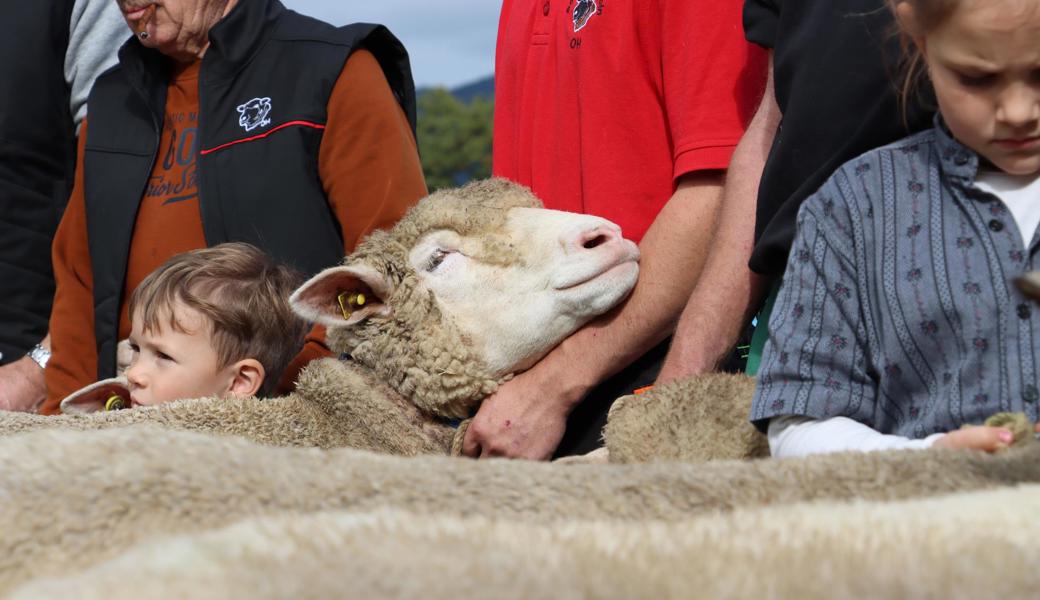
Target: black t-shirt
{"x": 836, "y": 71}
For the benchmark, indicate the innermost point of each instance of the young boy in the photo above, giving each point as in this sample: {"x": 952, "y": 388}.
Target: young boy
{"x": 214, "y": 322}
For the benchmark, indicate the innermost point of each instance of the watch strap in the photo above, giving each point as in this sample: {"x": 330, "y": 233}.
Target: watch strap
{"x": 39, "y": 355}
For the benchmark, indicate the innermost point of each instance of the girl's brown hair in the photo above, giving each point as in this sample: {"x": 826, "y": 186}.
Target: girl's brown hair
{"x": 928, "y": 14}
{"x": 241, "y": 293}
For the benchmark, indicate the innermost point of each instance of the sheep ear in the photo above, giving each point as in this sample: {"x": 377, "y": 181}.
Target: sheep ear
{"x": 341, "y": 296}
{"x": 107, "y": 394}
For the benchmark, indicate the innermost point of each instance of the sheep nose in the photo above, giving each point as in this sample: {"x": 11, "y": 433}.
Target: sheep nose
{"x": 590, "y": 239}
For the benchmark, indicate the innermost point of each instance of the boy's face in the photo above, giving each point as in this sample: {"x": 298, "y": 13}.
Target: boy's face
{"x": 172, "y": 365}
{"x": 984, "y": 61}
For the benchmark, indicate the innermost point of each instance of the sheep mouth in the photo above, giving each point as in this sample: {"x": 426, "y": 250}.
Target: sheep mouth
{"x": 614, "y": 268}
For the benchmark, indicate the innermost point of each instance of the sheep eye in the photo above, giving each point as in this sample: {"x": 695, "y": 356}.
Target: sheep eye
{"x": 435, "y": 260}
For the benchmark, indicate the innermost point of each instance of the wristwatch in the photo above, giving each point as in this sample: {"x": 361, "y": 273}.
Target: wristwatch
{"x": 40, "y": 355}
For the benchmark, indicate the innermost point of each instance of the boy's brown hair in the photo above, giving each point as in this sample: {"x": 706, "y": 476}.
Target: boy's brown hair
{"x": 242, "y": 294}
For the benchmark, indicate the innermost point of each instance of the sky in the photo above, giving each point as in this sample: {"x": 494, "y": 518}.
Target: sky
{"x": 450, "y": 42}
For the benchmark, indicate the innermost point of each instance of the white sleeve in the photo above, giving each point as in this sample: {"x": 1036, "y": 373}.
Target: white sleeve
{"x": 793, "y": 435}
{"x": 96, "y": 31}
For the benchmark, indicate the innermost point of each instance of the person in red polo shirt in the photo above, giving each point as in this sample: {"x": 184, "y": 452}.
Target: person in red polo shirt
{"x": 631, "y": 111}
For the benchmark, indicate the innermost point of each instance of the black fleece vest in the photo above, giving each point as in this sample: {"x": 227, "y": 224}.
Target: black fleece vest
{"x": 264, "y": 85}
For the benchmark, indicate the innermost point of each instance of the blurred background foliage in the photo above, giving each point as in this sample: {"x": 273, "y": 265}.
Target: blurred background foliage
{"x": 454, "y": 132}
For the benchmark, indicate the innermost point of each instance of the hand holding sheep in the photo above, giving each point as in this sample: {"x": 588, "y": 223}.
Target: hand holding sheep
{"x": 520, "y": 420}
{"x": 21, "y": 385}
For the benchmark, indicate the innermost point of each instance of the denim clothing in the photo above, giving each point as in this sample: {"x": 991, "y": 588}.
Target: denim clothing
{"x": 897, "y": 307}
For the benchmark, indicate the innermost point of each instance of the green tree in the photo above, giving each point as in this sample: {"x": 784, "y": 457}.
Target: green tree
{"x": 454, "y": 138}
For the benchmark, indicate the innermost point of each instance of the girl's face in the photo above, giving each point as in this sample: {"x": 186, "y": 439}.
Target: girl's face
{"x": 984, "y": 61}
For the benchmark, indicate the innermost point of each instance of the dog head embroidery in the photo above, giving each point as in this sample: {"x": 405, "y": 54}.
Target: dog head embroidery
{"x": 583, "y": 11}
{"x": 253, "y": 114}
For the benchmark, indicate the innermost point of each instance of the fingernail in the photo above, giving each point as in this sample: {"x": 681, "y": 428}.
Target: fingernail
{"x": 1005, "y": 436}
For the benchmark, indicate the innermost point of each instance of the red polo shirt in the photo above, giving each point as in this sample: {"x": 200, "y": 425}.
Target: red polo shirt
{"x": 600, "y": 105}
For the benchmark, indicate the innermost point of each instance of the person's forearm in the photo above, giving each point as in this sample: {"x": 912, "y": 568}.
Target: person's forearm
{"x": 798, "y": 436}
{"x": 723, "y": 300}
{"x": 672, "y": 254}
{"x": 367, "y": 162}
{"x": 728, "y": 291}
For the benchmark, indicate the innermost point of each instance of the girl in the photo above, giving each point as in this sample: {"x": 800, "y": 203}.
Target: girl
{"x": 897, "y": 322}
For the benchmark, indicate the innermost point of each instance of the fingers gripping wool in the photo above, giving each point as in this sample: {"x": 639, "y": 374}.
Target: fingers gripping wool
{"x": 1019, "y": 425}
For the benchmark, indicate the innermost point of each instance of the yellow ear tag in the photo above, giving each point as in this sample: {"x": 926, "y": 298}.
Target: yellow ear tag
{"x": 349, "y": 301}
{"x": 342, "y": 298}
{"x": 114, "y": 402}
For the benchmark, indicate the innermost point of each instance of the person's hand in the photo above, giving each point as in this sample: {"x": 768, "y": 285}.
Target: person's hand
{"x": 21, "y": 386}
{"x": 522, "y": 419}
{"x": 978, "y": 437}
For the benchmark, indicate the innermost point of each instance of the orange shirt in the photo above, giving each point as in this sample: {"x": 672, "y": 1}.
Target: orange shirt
{"x": 168, "y": 221}
{"x": 369, "y": 168}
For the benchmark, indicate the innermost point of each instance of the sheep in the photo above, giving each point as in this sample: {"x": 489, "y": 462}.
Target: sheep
{"x": 696, "y": 419}
{"x": 472, "y": 285}
{"x": 974, "y": 545}
{"x": 73, "y": 499}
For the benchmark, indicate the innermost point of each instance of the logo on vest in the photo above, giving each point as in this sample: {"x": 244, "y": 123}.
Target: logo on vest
{"x": 253, "y": 114}
{"x": 583, "y": 11}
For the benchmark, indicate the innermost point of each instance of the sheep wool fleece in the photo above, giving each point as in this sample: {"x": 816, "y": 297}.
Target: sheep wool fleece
{"x": 951, "y": 553}
{"x": 62, "y": 515}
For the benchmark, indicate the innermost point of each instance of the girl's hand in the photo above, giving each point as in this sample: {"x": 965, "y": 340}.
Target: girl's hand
{"x": 978, "y": 437}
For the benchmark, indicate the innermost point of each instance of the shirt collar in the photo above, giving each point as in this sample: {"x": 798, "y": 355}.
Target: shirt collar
{"x": 238, "y": 36}
{"x": 958, "y": 161}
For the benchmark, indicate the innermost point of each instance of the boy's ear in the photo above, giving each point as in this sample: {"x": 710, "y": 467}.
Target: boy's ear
{"x": 247, "y": 378}
{"x": 344, "y": 295}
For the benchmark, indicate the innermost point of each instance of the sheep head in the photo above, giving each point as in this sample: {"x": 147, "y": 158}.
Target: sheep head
{"x": 472, "y": 285}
